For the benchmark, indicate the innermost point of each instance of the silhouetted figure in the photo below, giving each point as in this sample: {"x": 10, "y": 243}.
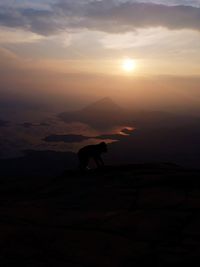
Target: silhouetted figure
{"x": 92, "y": 152}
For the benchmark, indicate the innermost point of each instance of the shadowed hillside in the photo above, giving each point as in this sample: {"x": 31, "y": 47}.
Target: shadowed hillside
{"x": 38, "y": 164}
{"x": 3, "y": 123}
{"x": 131, "y": 215}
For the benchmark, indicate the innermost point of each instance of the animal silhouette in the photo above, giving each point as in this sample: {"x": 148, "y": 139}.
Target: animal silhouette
{"x": 92, "y": 152}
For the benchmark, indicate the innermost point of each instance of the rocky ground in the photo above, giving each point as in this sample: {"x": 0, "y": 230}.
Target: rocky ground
{"x": 134, "y": 215}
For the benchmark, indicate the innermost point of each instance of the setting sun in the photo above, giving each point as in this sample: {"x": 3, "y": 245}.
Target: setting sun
{"x": 128, "y": 65}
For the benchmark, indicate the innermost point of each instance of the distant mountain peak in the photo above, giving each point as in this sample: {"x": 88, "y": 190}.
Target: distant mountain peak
{"x": 102, "y": 114}
{"x": 104, "y": 104}
{"x": 106, "y": 100}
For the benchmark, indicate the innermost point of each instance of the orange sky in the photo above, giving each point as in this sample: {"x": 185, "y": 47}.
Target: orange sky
{"x": 53, "y": 50}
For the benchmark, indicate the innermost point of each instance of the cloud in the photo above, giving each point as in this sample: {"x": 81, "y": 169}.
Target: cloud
{"x": 129, "y": 16}
{"x": 194, "y": 3}
{"x": 9, "y": 36}
{"x": 107, "y": 16}
{"x": 153, "y": 38}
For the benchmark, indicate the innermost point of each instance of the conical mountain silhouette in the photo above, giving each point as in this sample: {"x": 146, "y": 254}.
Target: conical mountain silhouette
{"x": 103, "y": 105}
{"x": 100, "y": 114}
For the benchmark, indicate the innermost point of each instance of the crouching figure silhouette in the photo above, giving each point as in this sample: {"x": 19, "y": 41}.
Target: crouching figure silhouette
{"x": 91, "y": 152}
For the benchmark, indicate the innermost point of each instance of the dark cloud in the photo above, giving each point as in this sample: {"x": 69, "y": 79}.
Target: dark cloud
{"x": 108, "y": 16}
{"x": 128, "y": 16}
{"x": 12, "y": 18}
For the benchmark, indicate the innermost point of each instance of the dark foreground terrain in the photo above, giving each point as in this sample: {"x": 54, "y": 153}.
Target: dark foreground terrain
{"x": 134, "y": 215}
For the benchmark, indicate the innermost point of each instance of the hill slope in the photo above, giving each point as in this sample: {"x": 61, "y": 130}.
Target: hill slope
{"x": 132, "y": 215}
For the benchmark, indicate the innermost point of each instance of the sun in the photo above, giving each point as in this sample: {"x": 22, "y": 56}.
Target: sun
{"x": 129, "y": 65}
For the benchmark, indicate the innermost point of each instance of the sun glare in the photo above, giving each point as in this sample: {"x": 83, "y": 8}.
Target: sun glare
{"x": 128, "y": 65}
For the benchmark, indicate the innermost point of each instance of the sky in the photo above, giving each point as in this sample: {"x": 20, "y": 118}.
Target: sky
{"x": 70, "y": 52}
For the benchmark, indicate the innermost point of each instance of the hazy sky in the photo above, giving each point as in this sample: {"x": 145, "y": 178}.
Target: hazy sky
{"x": 75, "y": 48}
